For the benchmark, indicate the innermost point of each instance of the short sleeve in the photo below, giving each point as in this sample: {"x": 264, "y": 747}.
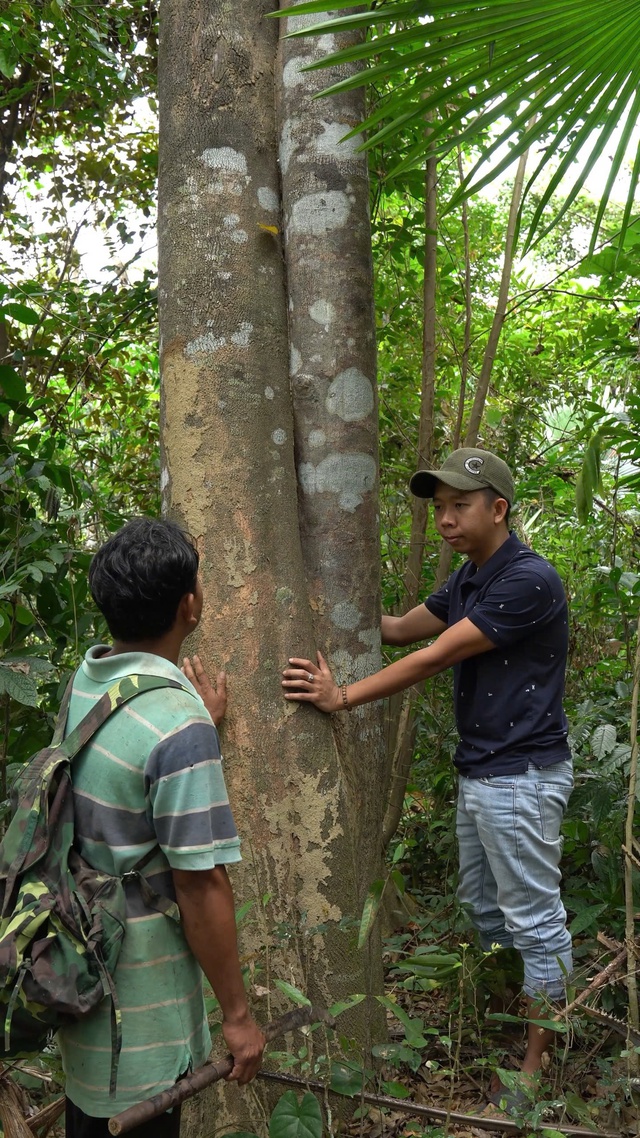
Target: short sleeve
{"x": 438, "y": 603}
{"x": 188, "y": 799}
{"x": 516, "y": 606}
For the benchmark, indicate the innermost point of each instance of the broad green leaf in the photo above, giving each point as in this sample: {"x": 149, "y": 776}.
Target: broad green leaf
{"x": 370, "y": 911}
{"x": 293, "y": 1119}
{"x": 603, "y": 740}
{"x": 293, "y": 993}
{"x": 346, "y": 1078}
{"x": 20, "y": 312}
{"x": 587, "y": 918}
{"x": 12, "y": 385}
{"x": 18, "y": 686}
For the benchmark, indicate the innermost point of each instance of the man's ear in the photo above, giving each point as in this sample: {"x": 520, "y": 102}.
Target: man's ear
{"x": 500, "y": 506}
{"x": 189, "y": 611}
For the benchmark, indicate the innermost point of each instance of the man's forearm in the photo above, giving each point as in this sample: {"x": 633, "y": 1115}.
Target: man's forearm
{"x": 205, "y": 900}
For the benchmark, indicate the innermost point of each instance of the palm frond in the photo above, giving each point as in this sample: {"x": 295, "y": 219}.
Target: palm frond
{"x": 557, "y": 76}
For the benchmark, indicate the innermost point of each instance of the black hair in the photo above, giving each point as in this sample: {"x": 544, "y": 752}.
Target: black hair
{"x": 140, "y": 575}
{"x": 490, "y": 496}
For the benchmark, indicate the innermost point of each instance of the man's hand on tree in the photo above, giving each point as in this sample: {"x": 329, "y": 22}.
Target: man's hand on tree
{"x": 312, "y": 683}
{"x": 214, "y": 698}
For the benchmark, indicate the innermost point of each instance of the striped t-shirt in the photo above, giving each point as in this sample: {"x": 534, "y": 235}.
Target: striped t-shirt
{"x": 150, "y": 777}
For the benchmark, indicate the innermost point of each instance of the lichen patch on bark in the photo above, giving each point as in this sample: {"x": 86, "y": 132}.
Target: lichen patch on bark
{"x": 350, "y": 476}
{"x": 350, "y": 396}
{"x": 318, "y": 214}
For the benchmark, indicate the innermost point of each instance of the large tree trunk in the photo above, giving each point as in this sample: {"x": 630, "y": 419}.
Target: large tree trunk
{"x": 305, "y": 788}
{"x": 325, "y": 199}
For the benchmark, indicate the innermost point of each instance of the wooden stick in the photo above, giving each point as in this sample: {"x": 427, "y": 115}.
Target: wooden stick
{"x": 46, "y": 1117}
{"x": 209, "y": 1073}
{"x": 479, "y": 1121}
{"x": 603, "y": 977}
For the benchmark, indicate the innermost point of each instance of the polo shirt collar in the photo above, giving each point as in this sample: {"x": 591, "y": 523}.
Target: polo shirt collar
{"x": 107, "y": 669}
{"x": 497, "y": 561}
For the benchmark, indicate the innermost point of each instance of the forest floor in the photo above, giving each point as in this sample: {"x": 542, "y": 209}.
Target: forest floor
{"x": 581, "y": 1083}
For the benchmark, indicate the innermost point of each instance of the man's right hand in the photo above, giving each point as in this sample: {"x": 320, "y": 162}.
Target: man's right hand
{"x": 246, "y": 1043}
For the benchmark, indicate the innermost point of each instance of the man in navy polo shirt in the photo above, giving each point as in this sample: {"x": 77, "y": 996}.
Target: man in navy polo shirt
{"x": 501, "y": 622}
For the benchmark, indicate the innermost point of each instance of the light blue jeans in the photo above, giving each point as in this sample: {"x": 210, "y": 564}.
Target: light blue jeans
{"x": 508, "y": 829}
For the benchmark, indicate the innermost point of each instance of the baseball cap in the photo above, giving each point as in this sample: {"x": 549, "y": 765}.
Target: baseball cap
{"x": 466, "y": 469}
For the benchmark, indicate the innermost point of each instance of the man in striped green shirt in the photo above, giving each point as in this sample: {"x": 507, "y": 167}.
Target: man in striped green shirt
{"x": 151, "y": 779}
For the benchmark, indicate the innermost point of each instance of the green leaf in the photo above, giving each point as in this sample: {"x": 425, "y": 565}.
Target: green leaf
{"x": 293, "y": 1119}
{"x": 370, "y": 911}
{"x": 346, "y": 1078}
{"x": 397, "y": 1090}
{"x": 586, "y": 918}
{"x": 293, "y": 993}
{"x": 18, "y": 686}
{"x": 344, "y": 1005}
{"x": 12, "y": 384}
{"x": 603, "y": 740}
{"x": 20, "y": 312}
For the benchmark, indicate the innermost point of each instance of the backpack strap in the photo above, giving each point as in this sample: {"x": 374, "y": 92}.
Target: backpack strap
{"x": 61, "y": 718}
{"x": 118, "y": 694}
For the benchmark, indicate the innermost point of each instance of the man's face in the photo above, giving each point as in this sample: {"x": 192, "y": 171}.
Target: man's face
{"x": 466, "y": 519}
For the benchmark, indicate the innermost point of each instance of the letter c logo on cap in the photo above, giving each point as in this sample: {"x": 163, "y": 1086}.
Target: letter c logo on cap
{"x": 473, "y": 465}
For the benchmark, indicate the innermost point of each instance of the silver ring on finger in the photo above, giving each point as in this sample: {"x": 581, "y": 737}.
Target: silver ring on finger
{"x": 310, "y": 677}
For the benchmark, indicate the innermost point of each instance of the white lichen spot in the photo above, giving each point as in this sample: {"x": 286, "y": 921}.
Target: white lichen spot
{"x": 226, "y": 159}
{"x": 279, "y": 436}
{"x": 231, "y": 169}
{"x": 350, "y": 396}
{"x": 287, "y": 142}
{"x": 345, "y": 615}
{"x": 241, "y": 337}
{"x": 317, "y": 438}
{"x": 268, "y": 199}
{"x": 317, "y": 214}
{"x": 349, "y": 476}
{"x": 164, "y": 479}
{"x": 333, "y": 144}
{"x": 206, "y": 343}
{"x": 224, "y": 276}
{"x": 323, "y": 312}
{"x": 269, "y": 393}
{"x": 239, "y": 236}
{"x": 231, "y": 220}
{"x": 292, "y": 71}
{"x": 326, "y": 44}
{"x": 295, "y": 361}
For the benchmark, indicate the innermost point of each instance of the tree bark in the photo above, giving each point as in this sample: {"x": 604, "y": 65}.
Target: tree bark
{"x": 329, "y": 270}
{"x": 275, "y": 586}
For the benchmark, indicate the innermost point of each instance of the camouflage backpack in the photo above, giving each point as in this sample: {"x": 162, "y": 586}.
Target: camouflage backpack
{"x": 61, "y": 921}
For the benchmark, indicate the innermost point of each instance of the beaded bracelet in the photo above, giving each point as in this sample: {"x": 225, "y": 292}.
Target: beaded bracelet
{"x": 343, "y": 691}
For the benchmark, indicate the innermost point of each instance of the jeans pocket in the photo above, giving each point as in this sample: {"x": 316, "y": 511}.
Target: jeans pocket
{"x": 552, "y": 802}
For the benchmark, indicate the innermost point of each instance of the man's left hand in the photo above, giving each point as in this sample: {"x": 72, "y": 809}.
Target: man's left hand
{"x": 311, "y": 683}
{"x": 214, "y": 698}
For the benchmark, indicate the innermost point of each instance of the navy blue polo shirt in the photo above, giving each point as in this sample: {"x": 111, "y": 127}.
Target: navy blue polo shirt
{"x": 508, "y": 701}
